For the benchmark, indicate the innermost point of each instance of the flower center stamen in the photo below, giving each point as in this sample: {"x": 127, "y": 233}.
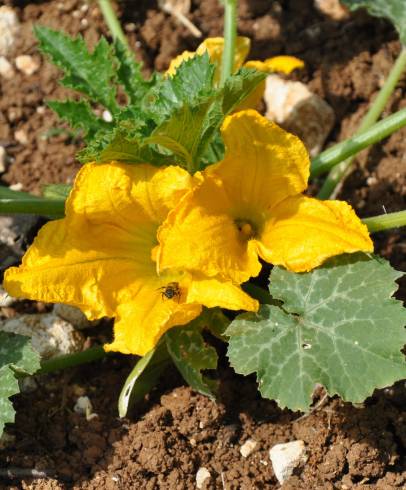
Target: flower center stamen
{"x": 246, "y": 228}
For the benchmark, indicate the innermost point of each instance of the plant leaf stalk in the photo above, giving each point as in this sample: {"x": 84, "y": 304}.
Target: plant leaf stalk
{"x": 350, "y": 147}
{"x": 337, "y": 175}
{"x": 112, "y": 22}
{"x": 72, "y": 360}
{"x": 230, "y": 36}
{"x": 32, "y": 205}
{"x": 386, "y": 221}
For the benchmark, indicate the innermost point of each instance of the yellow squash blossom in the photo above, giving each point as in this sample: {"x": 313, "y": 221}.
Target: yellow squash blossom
{"x": 250, "y": 205}
{"x": 215, "y": 45}
{"x": 100, "y": 257}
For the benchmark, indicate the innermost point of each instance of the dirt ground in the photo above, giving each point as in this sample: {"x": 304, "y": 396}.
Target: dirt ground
{"x": 175, "y": 431}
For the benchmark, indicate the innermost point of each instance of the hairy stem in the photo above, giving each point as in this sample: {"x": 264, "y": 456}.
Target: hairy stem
{"x": 72, "y": 360}
{"x": 112, "y": 22}
{"x": 32, "y": 205}
{"x": 350, "y": 147}
{"x": 230, "y": 36}
{"x": 386, "y": 221}
{"x": 336, "y": 176}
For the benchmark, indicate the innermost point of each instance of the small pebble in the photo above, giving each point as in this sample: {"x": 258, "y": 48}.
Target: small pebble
{"x": 248, "y": 447}
{"x": 3, "y": 159}
{"x": 6, "y": 68}
{"x": 83, "y": 406}
{"x": 107, "y": 116}
{"x": 286, "y": 457}
{"x": 21, "y": 136}
{"x": 202, "y": 475}
{"x": 26, "y": 64}
{"x": 51, "y": 336}
{"x": 9, "y": 27}
{"x": 296, "y": 109}
{"x": 5, "y": 299}
{"x": 332, "y": 8}
{"x": 18, "y": 186}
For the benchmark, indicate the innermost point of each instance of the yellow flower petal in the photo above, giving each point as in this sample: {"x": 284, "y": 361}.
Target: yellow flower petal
{"x": 214, "y": 46}
{"x": 100, "y": 257}
{"x": 283, "y": 64}
{"x": 212, "y": 230}
{"x": 263, "y": 163}
{"x": 91, "y": 258}
{"x": 176, "y": 62}
{"x": 201, "y": 234}
{"x": 211, "y": 292}
{"x": 301, "y": 233}
{"x": 140, "y": 323}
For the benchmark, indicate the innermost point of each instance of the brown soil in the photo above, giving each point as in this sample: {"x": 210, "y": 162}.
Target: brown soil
{"x": 176, "y": 431}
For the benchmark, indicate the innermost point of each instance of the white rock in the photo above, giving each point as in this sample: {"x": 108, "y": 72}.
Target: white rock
{"x": 9, "y": 27}
{"x": 5, "y": 298}
{"x": 286, "y": 457}
{"x": 332, "y": 8}
{"x": 3, "y": 158}
{"x": 18, "y": 186}
{"x": 293, "y": 106}
{"x": 83, "y": 406}
{"x": 106, "y": 115}
{"x": 21, "y": 136}
{"x": 73, "y": 315}
{"x": 51, "y": 336}
{"x": 202, "y": 475}
{"x": 6, "y": 68}
{"x": 26, "y": 64}
{"x": 248, "y": 447}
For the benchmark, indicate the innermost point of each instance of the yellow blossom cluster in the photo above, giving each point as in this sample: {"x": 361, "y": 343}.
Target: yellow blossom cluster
{"x": 149, "y": 246}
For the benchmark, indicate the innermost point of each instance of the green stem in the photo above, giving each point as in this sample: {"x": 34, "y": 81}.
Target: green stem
{"x": 230, "y": 36}
{"x": 112, "y": 22}
{"x": 22, "y": 205}
{"x": 386, "y": 221}
{"x": 338, "y": 174}
{"x": 72, "y": 360}
{"x": 341, "y": 151}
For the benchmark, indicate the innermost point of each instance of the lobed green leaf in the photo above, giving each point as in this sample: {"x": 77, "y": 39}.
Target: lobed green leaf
{"x": 191, "y": 354}
{"x": 338, "y": 326}
{"x": 16, "y": 356}
{"x": 79, "y": 115}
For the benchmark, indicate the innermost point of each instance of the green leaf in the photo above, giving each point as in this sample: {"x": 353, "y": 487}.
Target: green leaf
{"x": 56, "y": 191}
{"x": 393, "y": 10}
{"x": 122, "y": 146}
{"x": 191, "y": 354}
{"x": 129, "y": 74}
{"x": 79, "y": 115}
{"x": 190, "y": 129}
{"x": 192, "y": 81}
{"x": 142, "y": 378}
{"x": 338, "y": 326}
{"x": 92, "y": 74}
{"x": 16, "y": 356}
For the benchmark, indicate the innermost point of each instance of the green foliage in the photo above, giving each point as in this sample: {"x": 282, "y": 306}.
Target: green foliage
{"x": 56, "y": 191}
{"x": 168, "y": 119}
{"x": 393, "y": 10}
{"x": 16, "y": 357}
{"x": 92, "y": 74}
{"x": 338, "y": 326}
{"x": 142, "y": 378}
{"x": 79, "y": 115}
{"x": 191, "y": 354}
